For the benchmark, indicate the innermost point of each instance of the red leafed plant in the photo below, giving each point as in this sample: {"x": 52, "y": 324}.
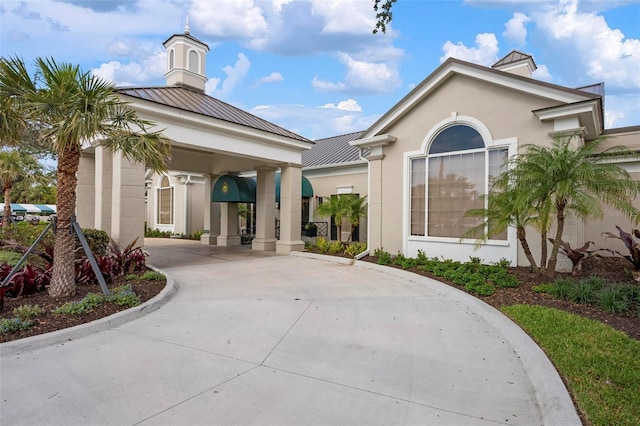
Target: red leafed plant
{"x": 632, "y": 246}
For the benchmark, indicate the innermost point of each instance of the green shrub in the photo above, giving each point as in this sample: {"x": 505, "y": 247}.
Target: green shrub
{"x": 27, "y": 312}
{"x": 195, "y": 235}
{"x": 477, "y": 285}
{"x": 152, "y": 276}
{"x": 322, "y": 245}
{"x": 586, "y": 290}
{"x": 98, "y": 241}
{"x": 156, "y": 233}
{"x": 335, "y": 247}
{"x": 131, "y": 277}
{"x": 542, "y": 288}
{"x": 124, "y": 296}
{"x": 86, "y": 304}
{"x": 24, "y": 233}
{"x": 612, "y": 300}
{"x": 11, "y": 325}
{"x": 503, "y": 263}
{"x": 355, "y": 248}
{"x": 384, "y": 257}
{"x": 10, "y": 257}
{"x": 561, "y": 288}
{"x": 503, "y": 279}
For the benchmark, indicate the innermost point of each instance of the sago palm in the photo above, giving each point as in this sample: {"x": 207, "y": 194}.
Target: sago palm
{"x": 76, "y": 107}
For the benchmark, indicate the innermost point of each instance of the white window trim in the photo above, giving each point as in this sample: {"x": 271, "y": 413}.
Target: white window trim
{"x": 198, "y": 69}
{"x": 158, "y": 187}
{"x": 490, "y": 143}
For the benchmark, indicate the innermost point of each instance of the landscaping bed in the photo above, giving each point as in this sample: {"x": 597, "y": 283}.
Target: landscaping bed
{"x": 48, "y": 321}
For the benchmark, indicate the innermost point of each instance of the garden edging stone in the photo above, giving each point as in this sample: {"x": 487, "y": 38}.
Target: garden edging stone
{"x": 28, "y": 344}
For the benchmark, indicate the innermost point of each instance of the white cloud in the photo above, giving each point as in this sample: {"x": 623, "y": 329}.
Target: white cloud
{"x": 134, "y": 72}
{"x": 241, "y": 19}
{"x": 348, "y": 105}
{"x": 274, "y": 77}
{"x": 363, "y": 77}
{"x": 516, "y": 30}
{"x": 542, "y": 73}
{"x": 315, "y": 122}
{"x": 234, "y": 75}
{"x": 344, "y": 16}
{"x": 583, "y": 42}
{"x": 485, "y": 52}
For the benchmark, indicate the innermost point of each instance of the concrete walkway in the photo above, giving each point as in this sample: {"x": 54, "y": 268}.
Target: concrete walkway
{"x": 259, "y": 339}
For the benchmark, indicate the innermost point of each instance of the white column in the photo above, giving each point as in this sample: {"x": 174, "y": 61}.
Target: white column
{"x": 211, "y": 213}
{"x": 228, "y": 225}
{"x": 290, "y": 210}
{"x": 103, "y": 192}
{"x": 86, "y": 191}
{"x": 128, "y": 214}
{"x": 374, "y": 197}
{"x": 265, "y": 236}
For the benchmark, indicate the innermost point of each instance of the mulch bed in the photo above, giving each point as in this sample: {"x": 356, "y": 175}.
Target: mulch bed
{"x": 49, "y": 322}
{"x": 613, "y": 269}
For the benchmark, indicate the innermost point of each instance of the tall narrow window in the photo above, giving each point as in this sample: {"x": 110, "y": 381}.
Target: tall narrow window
{"x": 418, "y": 191}
{"x": 497, "y": 164}
{"x": 172, "y": 58}
{"x": 194, "y": 61}
{"x": 165, "y": 202}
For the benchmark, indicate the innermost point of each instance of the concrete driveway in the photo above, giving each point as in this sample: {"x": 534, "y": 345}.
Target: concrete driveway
{"x": 255, "y": 339}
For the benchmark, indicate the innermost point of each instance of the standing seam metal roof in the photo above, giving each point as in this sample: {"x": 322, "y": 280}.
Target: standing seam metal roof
{"x": 332, "y": 150}
{"x": 200, "y": 103}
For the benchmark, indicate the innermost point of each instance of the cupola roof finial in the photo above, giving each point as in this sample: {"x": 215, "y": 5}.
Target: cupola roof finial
{"x": 186, "y": 27}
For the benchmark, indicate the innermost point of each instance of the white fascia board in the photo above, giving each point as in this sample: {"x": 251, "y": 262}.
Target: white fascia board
{"x": 567, "y": 110}
{"x": 373, "y": 142}
{"x": 506, "y": 80}
{"x": 188, "y": 118}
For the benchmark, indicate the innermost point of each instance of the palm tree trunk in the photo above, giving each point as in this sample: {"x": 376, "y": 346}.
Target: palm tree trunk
{"x": 553, "y": 259}
{"x": 522, "y": 237}
{"x": 543, "y": 249}
{"x": 6, "y": 221}
{"x": 63, "y": 274}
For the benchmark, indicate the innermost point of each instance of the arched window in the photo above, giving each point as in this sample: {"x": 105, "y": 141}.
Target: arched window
{"x": 194, "y": 61}
{"x": 172, "y": 59}
{"x": 165, "y": 202}
{"x": 450, "y": 180}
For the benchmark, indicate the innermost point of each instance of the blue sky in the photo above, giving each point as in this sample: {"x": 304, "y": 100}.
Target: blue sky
{"x": 314, "y": 67}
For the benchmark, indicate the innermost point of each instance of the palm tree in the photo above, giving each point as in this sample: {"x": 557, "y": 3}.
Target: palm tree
{"x": 504, "y": 208}
{"x": 76, "y": 107}
{"x": 337, "y": 208}
{"x": 15, "y": 167}
{"x": 576, "y": 178}
{"x": 357, "y": 208}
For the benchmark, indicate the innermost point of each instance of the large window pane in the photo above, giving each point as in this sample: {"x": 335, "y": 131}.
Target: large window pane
{"x": 455, "y": 185}
{"x": 418, "y": 206}
{"x": 165, "y": 203}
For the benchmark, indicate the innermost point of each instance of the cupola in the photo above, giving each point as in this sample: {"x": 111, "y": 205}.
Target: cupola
{"x": 186, "y": 60}
{"x": 517, "y": 63}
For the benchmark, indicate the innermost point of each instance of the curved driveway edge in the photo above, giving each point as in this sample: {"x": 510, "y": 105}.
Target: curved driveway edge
{"x": 556, "y": 405}
{"x": 27, "y": 344}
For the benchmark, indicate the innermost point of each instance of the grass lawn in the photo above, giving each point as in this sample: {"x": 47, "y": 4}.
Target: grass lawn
{"x": 600, "y": 364}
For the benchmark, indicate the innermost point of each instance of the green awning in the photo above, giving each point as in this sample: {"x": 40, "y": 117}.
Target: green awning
{"x": 307, "y": 189}
{"x": 234, "y": 189}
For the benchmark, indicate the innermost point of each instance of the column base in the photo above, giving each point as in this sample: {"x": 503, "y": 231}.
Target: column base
{"x": 208, "y": 240}
{"x": 268, "y": 244}
{"x": 228, "y": 240}
{"x": 286, "y": 247}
